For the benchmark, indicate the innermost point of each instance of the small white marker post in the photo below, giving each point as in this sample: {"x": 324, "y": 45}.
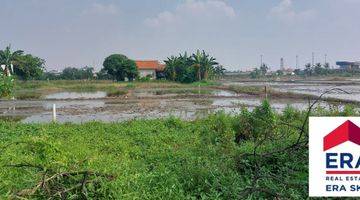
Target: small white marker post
{"x": 54, "y": 113}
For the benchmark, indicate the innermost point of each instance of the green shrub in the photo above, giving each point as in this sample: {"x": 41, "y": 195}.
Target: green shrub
{"x": 6, "y": 85}
{"x": 159, "y": 159}
{"x": 116, "y": 93}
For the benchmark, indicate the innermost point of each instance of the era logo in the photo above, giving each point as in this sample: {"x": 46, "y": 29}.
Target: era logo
{"x": 334, "y": 156}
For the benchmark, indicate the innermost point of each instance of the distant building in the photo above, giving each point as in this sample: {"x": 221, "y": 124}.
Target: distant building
{"x": 345, "y": 65}
{"x": 55, "y": 72}
{"x": 149, "y": 68}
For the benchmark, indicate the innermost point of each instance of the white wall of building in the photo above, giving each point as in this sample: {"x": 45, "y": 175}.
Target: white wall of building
{"x": 146, "y": 72}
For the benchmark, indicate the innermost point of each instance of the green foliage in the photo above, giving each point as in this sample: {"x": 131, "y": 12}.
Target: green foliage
{"x": 6, "y": 85}
{"x": 28, "y": 67}
{"x": 116, "y": 93}
{"x": 205, "y": 83}
{"x": 7, "y": 57}
{"x": 25, "y": 67}
{"x": 145, "y": 79}
{"x": 263, "y": 120}
{"x": 119, "y": 67}
{"x": 259, "y": 72}
{"x": 147, "y": 159}
{"x": 259, "y": 123}
{"x": 72, "y": 73}
{"x": 279, "y": 72}
{"x": 218, "y": 157}
{"x": 130, "y": 85}
{"x": 187, "y": 69}
{"x": 319, "y": 69}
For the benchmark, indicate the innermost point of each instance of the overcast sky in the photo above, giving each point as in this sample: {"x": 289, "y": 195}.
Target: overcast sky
{"x": 236, "y": 32}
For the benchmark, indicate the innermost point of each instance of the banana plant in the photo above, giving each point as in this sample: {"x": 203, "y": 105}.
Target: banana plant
{"x": 7, "y": 57}
{"x": 197, "y": 62}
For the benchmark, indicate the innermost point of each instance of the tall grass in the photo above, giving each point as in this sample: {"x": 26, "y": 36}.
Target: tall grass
{"x": 157, "y": 159}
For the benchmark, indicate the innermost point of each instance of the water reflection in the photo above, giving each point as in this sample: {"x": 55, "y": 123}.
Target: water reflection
{"x": 76, "y": 95}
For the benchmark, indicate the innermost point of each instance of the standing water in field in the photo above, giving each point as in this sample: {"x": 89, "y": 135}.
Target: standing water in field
{"x": 185, "y": 103}
{"x": 76, "y": 95}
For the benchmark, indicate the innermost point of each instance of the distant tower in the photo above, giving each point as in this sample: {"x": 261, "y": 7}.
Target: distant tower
{"x": 282, "y": 64}
{"x": 325, "y": 58}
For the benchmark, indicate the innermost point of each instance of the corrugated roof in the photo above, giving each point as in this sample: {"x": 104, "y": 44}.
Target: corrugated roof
{"x": 149, "y": 64}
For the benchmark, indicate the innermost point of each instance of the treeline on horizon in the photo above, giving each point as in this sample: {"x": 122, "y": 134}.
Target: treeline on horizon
{"x": 309, "y": 70}
{"x": 184, "y": 68}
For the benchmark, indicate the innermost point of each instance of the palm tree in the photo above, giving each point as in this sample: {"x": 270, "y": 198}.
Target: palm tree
{"x": 7, "y": 57}
{"x": 208, "y": 64}
{"x": 219, "y": 70}
{"x": 197, "y": 62}
{"x": 171, "y": 64}
{"x": 308, "y": 69}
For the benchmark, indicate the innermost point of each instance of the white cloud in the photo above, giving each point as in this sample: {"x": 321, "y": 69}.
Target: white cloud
{"x": 101, "y": 9}
{"x": 285, "y": 12}
{"x": 192, "y": 11}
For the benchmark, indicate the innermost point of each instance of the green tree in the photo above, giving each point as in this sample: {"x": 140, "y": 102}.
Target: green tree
{"x": 263, "y": 120}
{"x": 219, "y": 70}
{"x": 318, "y": 70}
{"x": 28, "y": 67}
{"x": 7, "y": 57}
{"x": 256, "y": 73}
{"x": 6, "y": 85}
{"x": 72, "y": 73}
{"x": 119, "y": 67}
{"x": 187, "y": 69}
{"x": 103, "y": 75}
{"x": 264, "y": 68}
{"x": 327, "y": 68}
{"x": 208, "y": 64}
{"x": 131, "y": 70}
{"x": 170, "y": 69}
{"x": 298, "y": 72}
{"x": 279, "y": 72}
{"x": 197, "y": 62}
{"x": 308, "y": 69}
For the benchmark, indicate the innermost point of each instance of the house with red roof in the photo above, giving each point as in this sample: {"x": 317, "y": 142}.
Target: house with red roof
{"x": 150, "y": 68}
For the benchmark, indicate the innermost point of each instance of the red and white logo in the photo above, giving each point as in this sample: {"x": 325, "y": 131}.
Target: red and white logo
{"x": 334, "y": 156}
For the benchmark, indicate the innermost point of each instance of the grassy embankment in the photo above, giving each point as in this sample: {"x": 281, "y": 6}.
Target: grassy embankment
{"x": 220, "y": 157}
{"x": 37, "y": 89}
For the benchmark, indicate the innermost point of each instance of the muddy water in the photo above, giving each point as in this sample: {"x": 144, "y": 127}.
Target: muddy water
{"x": 152, "y": 103}
{"x": 76, "y": 95}
{"x": 312, "y": 87}
{"x": 113, "y": 110}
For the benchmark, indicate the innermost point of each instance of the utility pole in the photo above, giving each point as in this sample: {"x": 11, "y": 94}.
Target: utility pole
{"x": 297, "y": 62}
{"x": 261, "y": 60}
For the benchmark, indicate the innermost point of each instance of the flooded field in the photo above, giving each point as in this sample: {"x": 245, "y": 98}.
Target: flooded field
{"x": 311, "y": 87}
{"x": 186, "y": 103}
{"x": 148, "y": 103}
{"x": 76, "y": 95}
